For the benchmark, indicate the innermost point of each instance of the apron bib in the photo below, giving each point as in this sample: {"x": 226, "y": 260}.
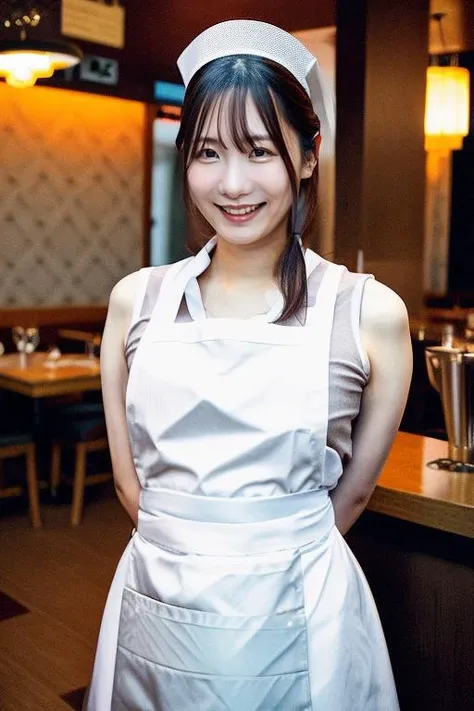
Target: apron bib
{"x": 234, "y": 407}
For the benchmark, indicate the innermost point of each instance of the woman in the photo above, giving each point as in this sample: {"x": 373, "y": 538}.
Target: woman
{"x": 260, "y": 388}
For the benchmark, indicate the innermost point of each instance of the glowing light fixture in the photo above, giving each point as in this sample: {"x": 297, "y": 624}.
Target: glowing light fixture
{"x": 24, "y": 60}
{"x": 446, "y": 124}
{"x": 447, "y": 103}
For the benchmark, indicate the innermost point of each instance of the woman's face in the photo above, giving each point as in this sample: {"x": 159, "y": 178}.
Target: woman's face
{"x": 246, "y": 197}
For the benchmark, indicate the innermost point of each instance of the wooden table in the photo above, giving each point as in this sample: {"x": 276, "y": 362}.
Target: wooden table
{"x": 39, "y": 378}
{"x": 409, "y": 489}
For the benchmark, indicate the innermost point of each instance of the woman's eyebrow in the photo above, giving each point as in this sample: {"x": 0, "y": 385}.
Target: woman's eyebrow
{"x": 259, "y": 137}
{"x": 253, "y": 139}
{"x": 208, "y": 139}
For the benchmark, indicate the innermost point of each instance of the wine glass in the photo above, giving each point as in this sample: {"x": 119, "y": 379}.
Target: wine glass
{"x": 92, "y": 346}
{"x": 26, "y": 341}
{"x": 18, "y": 337}
{"x": 32, "y": 340}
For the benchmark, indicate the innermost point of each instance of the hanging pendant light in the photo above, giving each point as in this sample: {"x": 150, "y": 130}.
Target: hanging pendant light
{"x": 25, "y": 60}
{"x": 447, "y": 103}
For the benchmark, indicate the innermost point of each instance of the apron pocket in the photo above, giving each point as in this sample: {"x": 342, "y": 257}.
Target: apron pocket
{"x": 192, "y": 656}
{"x": 141, "y": 684}
{"x": 208, "y": 643}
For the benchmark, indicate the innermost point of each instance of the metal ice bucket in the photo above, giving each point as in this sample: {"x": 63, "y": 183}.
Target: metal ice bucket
{"x": 451, "y": 373}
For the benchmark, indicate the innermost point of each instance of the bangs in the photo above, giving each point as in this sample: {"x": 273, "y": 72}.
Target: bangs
{"x": 229, "y": 109}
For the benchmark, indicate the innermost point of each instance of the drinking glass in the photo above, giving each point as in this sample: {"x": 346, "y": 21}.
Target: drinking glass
{"x": 32, "y": 340}
{"x": 26, "y": 341}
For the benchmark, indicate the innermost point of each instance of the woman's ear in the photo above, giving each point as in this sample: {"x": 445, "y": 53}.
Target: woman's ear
{"x": 311, "y": 159}
{"x": 317, "y": 145}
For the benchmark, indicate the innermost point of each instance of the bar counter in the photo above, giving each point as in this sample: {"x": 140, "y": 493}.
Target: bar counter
{"x": 411, "y": 490}
{"x": 414, "y": 543}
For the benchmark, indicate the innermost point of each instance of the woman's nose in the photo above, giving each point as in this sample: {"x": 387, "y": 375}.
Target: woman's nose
{"x": 235, "y": 180}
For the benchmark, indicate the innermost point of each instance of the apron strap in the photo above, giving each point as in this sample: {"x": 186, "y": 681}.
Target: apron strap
{"x": 171, "y": 293}
{"x": 175, "y": 282}
{"x": 143, "y": 278}
{"x": 320, "y": 318}
{"x": 322, "y": 313}
{"x": 312, "y": 260}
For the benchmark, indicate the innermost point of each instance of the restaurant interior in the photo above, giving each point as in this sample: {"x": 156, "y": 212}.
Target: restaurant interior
{"x": 90, "y": 191}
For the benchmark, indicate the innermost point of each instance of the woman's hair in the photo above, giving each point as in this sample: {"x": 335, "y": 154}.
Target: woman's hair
{"x": 275, "y": 92}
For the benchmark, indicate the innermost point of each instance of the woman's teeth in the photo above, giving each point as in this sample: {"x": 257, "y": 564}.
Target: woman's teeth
{"x": 240, "y": 211}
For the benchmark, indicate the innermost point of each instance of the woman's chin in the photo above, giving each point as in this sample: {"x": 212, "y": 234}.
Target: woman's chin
{"x": 239, "y": 240}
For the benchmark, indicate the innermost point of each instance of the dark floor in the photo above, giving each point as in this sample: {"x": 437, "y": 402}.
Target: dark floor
{"x": 53, "y": 585}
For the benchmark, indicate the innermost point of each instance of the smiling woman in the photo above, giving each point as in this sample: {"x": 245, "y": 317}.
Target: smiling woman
{"x": 252, "y": 393}
{"x": 241, "y": 179}
{"x": 250, "y": 140}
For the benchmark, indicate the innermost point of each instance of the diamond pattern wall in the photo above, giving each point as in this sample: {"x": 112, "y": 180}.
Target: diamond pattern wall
{"x": 71, "y": 195}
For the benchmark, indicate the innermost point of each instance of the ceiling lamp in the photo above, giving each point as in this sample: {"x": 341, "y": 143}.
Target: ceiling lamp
{"x": 447, "y": 103}
{"x": 24, "y": 60}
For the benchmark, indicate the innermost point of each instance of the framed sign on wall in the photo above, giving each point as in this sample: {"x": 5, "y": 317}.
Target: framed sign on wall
{"x": 94, "y": 21}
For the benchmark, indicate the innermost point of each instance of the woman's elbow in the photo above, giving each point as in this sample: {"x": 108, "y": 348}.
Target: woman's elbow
{"x": 127, "y": 490}
{"x": 130, "y": 503}
{"x": 356, "y": 499}
{"x": 361, "y": 497}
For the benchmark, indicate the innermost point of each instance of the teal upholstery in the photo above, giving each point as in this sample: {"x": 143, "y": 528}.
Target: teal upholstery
{"x": 78, "y": 422}
{"x": 13, "y": 438}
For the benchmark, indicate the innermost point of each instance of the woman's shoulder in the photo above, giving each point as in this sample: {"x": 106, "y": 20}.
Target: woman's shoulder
{"x": 125, "y": 290}
{"x": 349, "y": 282}
{"x": 382, "y": 309}
{"x": 123, "y": 293}
{"x": 134, "y": 286}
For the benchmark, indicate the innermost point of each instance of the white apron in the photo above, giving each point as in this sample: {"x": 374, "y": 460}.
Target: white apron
{"x": 237, "y": 592}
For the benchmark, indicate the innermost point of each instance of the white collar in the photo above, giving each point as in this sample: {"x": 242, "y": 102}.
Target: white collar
{"x": 199, "y": 264}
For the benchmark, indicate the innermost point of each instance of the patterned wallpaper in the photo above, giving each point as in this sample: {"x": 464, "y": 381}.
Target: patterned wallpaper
{"x": 71, "y": 195}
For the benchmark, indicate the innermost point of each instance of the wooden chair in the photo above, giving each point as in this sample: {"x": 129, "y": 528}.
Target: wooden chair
{"x": 83, "y": 426}
{"x": 17, "y": 445}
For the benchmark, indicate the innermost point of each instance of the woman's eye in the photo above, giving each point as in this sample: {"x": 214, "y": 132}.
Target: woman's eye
{"x": 207, "y": 153}
{"x": 260, "y": 153}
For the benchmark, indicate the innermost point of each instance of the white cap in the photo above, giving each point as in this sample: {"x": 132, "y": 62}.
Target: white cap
{"x": 261, "y": 39}
{"x": 252, "y": 37}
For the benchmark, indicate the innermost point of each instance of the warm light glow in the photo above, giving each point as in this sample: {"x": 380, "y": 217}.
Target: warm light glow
{"x": 172, "y": 110}
{"x": 21, "y": 68}
{"x": 447, "y": 108}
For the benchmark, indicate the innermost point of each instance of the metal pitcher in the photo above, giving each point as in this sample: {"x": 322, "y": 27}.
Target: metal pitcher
{"x": 451, "y": 373}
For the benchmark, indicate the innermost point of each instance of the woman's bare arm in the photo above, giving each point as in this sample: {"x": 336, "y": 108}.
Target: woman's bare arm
{"x": 114, "y": 376}
{"x": 386, "y": 336}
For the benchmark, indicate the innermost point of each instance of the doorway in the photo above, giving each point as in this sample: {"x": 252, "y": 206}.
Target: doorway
{"x": 168, "y": 213}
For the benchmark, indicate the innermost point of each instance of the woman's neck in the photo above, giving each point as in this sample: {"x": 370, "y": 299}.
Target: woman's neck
{"x": 250, "y": 264}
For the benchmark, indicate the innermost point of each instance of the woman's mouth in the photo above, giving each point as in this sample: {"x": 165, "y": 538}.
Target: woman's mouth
{"x": 239, "y": 214}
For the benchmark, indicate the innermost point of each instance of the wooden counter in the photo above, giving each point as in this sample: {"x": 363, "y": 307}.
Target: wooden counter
{"x": 409, "y": 489}
{"x": 414, "y": 543}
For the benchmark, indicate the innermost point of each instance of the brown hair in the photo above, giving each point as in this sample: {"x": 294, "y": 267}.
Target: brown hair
{"x": 275, "y": 92}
